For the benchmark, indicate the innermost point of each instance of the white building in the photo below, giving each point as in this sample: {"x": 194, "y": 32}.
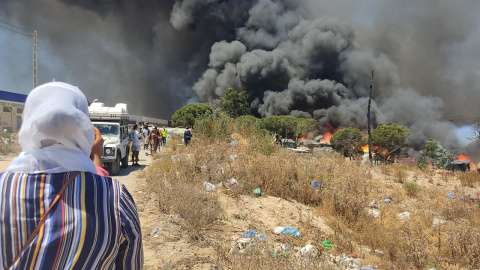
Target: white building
{"x": 11, "y": 109}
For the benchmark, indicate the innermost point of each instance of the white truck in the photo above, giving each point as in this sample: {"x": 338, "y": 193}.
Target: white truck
{"x": 113, "y": 125}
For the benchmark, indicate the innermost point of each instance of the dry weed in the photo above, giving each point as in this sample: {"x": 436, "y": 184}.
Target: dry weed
{"x": 411, "y": 189}
{"x": 468, "y": 179}
{"x": 399, "y": 173}
{"x": 346, "y": 191}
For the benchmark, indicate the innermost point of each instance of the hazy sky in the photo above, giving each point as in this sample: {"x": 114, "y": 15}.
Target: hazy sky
{"x": 307, "y": 58}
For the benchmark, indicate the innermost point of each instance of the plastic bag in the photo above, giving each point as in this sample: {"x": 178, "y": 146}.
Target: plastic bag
{"x": 253, "y": 234}
{"x": 209, "y": 186}
{"x": 292, "y": 231}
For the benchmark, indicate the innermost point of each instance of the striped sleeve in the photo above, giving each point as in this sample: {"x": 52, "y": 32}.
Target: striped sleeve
{"x": 130, "y": 254}
{"x": 94, "y": 224}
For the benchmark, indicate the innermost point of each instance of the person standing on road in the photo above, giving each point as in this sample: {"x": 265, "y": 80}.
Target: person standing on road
{"x": 58, "y": 210}
{"x": 164, "y": 136}
{"x": 130, "y": 142}
{"x": 146, "y": 141}
{"x": 187, "y": 135}
{"x": 136, "y": 144}
{"x": 153, "y": 140}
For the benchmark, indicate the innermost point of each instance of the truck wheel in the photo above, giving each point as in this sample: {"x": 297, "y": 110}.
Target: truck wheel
{"x": 125, "y": 159}
{"x": 115, "y": 166}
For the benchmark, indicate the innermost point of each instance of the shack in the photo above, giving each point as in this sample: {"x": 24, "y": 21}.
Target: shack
{"x": 461, "y": 165}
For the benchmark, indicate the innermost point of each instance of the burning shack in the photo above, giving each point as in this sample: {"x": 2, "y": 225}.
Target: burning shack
{"x": 461, "y": 165}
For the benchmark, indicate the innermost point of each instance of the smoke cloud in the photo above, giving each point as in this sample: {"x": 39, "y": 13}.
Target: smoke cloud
{"x": 307, "y": 58}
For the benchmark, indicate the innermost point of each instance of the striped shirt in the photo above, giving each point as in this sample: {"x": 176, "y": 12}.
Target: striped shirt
{"x": 94, "y": 225}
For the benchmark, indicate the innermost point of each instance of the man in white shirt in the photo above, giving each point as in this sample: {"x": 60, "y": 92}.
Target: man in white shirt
{"x": 146, "y": 141}
{"x": 136, "y": 137}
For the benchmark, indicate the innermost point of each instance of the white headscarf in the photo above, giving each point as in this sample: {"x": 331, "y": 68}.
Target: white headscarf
{"x": 56, "y": 133}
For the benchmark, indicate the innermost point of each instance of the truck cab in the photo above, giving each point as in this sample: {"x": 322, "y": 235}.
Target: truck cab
{"x": 113, "y": 125}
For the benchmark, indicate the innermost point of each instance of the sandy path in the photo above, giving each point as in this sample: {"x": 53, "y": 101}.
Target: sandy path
{"x": 131, "y": 178}
{"x": 5, "y": 161}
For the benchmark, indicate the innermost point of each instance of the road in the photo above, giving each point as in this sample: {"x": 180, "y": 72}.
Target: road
{"x": 128, "y": 176}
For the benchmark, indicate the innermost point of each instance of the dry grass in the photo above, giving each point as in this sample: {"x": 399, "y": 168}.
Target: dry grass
{"x": 469, "y": 179}
{"x": 348, "y": 188}
{"x": 9, "y": 144}
{"x": 411, "y": 189}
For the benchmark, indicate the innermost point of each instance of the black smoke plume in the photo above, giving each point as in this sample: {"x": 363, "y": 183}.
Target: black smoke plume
{"x": 307, "y": 58}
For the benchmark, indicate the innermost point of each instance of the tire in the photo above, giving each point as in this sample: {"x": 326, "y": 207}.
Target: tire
{"x": 115, "y": 166}
{"x": 125, "y": 159}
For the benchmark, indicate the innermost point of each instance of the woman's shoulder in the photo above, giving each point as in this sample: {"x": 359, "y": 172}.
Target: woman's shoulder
{"x": 90, "y": 181}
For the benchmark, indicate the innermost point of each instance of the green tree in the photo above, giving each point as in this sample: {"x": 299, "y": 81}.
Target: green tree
{"x": 306, "y": 126}
{"x": 434, "y": 153}
{"x": 217, "y": 126}
{"x": 284, "y": 125}
{"x": 348, "y": 141}
{"x": 388, "y": 137}
{"x": 187, "y": 115}
{"x": 235, "y": 103}
{"x": 247, "y": 123}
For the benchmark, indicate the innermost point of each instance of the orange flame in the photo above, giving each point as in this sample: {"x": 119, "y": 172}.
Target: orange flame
{"x": 374, "y": 148}
{"x": 328, "y": 135}
{"x": 463, "y": 157}
{"x": 303, "y": 138}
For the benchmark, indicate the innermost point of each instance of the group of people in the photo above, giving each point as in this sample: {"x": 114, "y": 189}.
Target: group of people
{"x": 152, "y": 139}
{"x": 155, "y": 138}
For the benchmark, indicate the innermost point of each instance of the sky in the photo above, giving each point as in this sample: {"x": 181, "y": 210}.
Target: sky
{"x": 305, "y": 58}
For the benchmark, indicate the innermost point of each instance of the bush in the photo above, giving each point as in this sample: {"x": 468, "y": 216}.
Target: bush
{"x": 400, "y": 174}
{"x": 247, "y": 124}
{"x": 411, "y": 189}
{"x": 5, "y": 149}
{"x": 215, "y": 127}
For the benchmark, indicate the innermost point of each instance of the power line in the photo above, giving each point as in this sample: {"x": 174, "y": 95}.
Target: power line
{"x": 465, "y": 113}
{"x": 16, "y": 31}
{"x": 470, "y": 115}
{"x": 30, "y": 30}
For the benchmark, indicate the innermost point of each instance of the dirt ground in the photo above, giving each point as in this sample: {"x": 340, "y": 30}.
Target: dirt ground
{"x": 167, "y": 245}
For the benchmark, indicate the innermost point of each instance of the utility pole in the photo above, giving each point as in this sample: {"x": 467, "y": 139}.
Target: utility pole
{"x": 370, "y": 157}
{"x": 35, "y": 60}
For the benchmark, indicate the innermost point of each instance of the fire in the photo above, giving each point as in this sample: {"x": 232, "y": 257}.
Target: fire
{"x": 303, "y": 138}
{"x": 328, "y": 135}
{"x": 374, "y": 148}
{"x": 463, "y": 157}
